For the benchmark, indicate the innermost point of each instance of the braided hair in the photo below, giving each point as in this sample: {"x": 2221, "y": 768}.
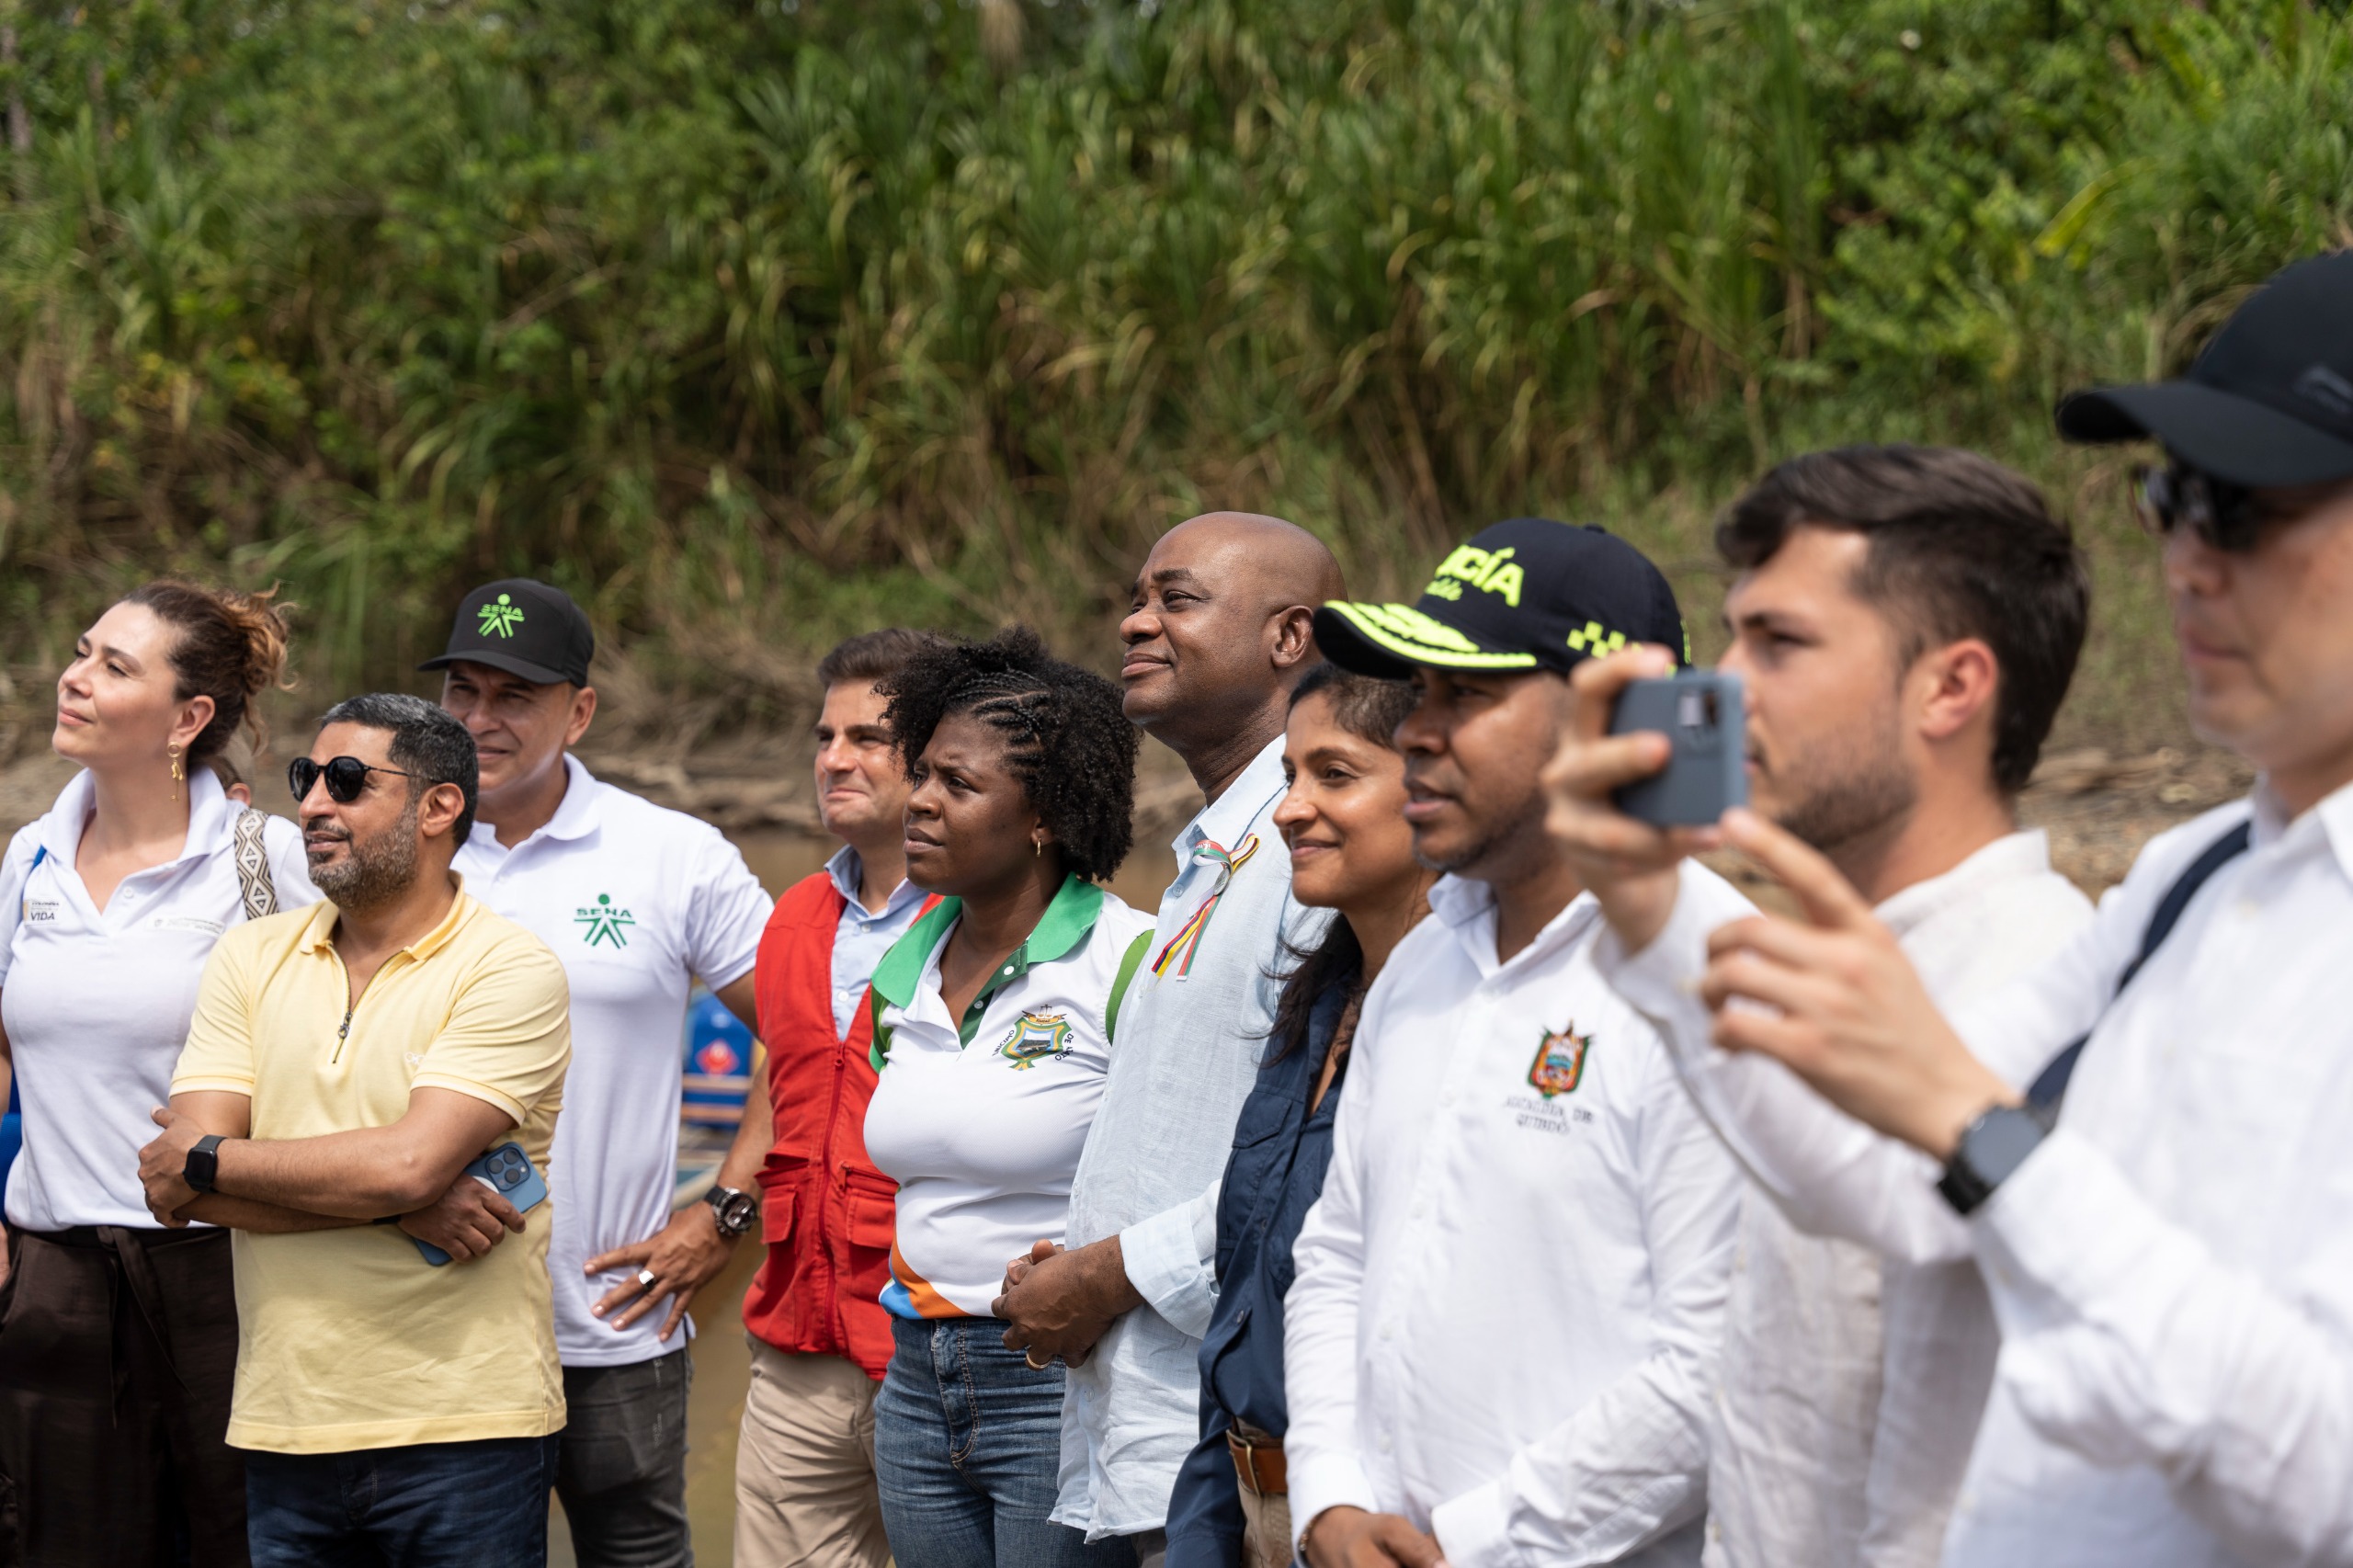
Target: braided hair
{"x": 1065, "y": 737}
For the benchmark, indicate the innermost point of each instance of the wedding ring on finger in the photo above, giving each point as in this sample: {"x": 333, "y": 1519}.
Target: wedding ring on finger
{"x": 645, "y": 1280}
{"x": 1036, "y": 1365}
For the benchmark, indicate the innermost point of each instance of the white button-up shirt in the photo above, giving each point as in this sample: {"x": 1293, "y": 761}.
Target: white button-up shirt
{"x": 1850, "y": 1391}
{"x": 1510, "y": 1295}
{"x": 2173, "y": 1268}
{"x": 1192, "y": 1030}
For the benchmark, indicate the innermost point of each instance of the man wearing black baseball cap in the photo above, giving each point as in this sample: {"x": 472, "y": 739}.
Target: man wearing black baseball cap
{"x": 1509, "y": 1298}
{"x": 2144, "y": 1146}
{"x": 638, "y": 903}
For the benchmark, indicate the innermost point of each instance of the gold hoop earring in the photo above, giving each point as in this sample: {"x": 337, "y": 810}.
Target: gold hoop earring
{"x": 180, "y": 774}
{"x": 1036, "y": 849}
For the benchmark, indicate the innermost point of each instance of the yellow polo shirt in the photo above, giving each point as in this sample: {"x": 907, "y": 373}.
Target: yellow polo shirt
{"x": 348, "y": 1338}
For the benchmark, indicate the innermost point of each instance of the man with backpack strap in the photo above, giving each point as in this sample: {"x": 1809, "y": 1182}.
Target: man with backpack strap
{"x": 2167, "y": 1245}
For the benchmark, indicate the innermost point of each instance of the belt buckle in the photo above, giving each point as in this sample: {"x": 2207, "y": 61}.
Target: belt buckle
{"x": 1246, "y": 1462}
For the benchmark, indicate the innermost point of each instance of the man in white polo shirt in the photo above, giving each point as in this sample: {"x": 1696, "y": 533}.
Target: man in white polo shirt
{"x": 1511, "y": 1292}
{"x": 638, "y": 903}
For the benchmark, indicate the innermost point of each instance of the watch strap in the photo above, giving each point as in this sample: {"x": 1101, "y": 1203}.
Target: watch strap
{"x": 203, "y": 1163}
{"x": 1990, "y": 1150}
{"x": 723, "y": 1199}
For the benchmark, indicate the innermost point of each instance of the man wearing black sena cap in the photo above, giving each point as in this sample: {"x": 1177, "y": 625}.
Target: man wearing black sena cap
{"x": 1509, "y": 1297}
{"x": 637, "y": 902}
{"x": 2148, "y": 1158}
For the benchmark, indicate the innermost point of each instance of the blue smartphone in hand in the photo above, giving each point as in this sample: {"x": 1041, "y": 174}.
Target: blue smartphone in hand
{"x": 508, "y": 1172}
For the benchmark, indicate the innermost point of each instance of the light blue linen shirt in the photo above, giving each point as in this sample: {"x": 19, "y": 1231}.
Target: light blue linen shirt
{"x": 863, "y": 936}
{"x": 1190, "y": 1040}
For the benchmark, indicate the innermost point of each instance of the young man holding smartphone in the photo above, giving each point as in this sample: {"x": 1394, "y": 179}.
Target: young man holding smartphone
{"x": 1905, "y": 624}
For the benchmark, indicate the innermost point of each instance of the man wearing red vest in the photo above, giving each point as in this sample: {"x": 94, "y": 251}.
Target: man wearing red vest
{"x": 804, "y": 1468}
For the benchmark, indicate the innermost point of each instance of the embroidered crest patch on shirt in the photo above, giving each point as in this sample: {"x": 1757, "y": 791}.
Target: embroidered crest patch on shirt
{"x": 1560, "y": 1061}
{"x": 1037, "y": 1035}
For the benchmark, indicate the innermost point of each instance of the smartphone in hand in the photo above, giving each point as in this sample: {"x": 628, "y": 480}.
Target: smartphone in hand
{"x": 1701, "y": 711}
{"x": 507, "y": 1171}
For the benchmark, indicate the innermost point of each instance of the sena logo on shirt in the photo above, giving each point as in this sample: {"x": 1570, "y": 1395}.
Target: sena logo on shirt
{"x": 1036, "y": 1035}
{"x": 602, "y": 922}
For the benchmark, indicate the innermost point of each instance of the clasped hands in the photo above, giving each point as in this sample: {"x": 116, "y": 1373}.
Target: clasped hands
{"x": 465, "y": 1221}
{"x": 1829, "y": 994}
{"x": 1058, "y": 1301}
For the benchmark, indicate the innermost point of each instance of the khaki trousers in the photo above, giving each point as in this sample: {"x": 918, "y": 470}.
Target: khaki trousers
{"x": 1265, "y": 1529}
{"x": 805, "y": 1465}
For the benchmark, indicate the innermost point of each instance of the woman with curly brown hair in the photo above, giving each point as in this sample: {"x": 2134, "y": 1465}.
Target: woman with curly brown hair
{"x": 118, "y": 1337}
{"x": 993, "y": 1024}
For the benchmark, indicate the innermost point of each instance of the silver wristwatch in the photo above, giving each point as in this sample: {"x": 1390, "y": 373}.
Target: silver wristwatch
{"x": 733, "y": 1210}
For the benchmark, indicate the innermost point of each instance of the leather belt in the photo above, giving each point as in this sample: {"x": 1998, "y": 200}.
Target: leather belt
{"x": 1259, "y": 1462}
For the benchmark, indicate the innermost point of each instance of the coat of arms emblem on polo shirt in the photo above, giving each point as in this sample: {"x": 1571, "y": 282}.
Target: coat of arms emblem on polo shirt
{"x": 1560, "y": 1061}
{"x": 1036, "y": 1035}
{"x": 601, "y": 922}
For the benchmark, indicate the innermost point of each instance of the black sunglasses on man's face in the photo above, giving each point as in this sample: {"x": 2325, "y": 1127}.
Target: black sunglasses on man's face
{"x": 345, "y": 777}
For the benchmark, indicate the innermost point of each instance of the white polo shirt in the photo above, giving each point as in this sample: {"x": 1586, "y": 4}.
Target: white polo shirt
{"x": 97, "y": 1006}
{"x": 981, "y": 1119}
{"x": 1510, "y": 1296}
{"x": 638, "y": 901}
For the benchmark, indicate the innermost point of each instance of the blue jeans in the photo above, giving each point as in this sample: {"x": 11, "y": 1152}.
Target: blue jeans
{"x": 479, "y": 1505}
{"x": 968, "y": 1454}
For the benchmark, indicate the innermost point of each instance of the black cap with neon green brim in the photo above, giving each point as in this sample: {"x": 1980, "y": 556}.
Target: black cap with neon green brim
{"x": 1530, "y": 593}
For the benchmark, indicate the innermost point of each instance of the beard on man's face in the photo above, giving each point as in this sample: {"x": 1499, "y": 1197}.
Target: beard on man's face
{"x": 1843, "y": 793}
{"x": 374, "y": 870}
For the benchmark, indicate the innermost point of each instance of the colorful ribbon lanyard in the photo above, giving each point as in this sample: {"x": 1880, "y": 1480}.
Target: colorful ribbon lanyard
{"x": 1182, "y": 948}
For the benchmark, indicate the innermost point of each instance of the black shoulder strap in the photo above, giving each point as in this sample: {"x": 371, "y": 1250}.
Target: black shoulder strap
{"x": 2051, "y": 1086}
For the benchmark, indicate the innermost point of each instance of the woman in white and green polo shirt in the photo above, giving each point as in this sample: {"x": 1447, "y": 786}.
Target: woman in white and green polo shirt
{"x": 994, "y": 1018}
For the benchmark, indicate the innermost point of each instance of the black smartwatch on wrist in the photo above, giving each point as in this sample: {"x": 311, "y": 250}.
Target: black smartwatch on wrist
{"x": 732, "y": 1210}
{"x": 203, "y": 1164}
{"x": 1993, "y": 1148}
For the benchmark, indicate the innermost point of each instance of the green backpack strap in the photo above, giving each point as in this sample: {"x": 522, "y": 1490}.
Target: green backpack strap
{"x": 878, "y": 1038}
{"x": 1130, "y": 962}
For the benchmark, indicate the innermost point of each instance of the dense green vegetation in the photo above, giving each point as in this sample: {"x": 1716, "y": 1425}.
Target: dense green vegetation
{"x": 755, "y": 320}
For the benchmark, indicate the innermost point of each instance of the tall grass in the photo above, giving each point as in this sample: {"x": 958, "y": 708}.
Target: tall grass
{"x": 755, "y": 321}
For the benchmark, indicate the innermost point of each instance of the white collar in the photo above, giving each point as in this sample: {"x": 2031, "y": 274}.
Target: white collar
{"x": 210, "y": 815}
{"x": 2014, "y": 856}
{"x": 1223, "y": 822}
{"x": 2331, "y": 817}
{"x": 577, "y": 815}
{"x": 1468, "y": 909}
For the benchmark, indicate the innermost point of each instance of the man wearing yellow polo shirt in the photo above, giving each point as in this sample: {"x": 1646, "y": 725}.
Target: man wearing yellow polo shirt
{"x": 345, "y": 1064}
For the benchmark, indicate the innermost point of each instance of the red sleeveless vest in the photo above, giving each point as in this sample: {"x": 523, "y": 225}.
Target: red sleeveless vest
{"x": 825, "y": 1211}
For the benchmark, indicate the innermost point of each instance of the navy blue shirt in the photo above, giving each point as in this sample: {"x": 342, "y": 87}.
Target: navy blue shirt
{"x": 1272, "y": 1178}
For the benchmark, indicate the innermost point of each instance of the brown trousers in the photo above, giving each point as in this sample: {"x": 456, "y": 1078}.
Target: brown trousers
{"x": 118, "y": 1348}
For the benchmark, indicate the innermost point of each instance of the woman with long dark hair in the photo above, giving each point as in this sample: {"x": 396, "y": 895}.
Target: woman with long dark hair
{"x": 118, "y": 1337}
{"x": 1350, "y": 851}
{"x": 994, "y": 1023}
